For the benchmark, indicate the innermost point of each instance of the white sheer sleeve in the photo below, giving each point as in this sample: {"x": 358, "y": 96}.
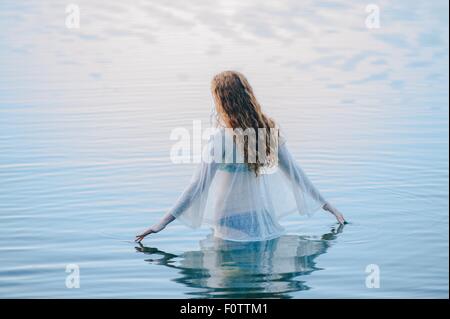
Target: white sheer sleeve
{"x": 189, "y": 203}
{"x": 190, "y": 206}
{"x": 307, "y": 196}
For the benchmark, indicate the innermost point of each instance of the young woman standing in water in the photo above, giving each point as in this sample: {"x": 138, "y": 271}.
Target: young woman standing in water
{"x": 243, "y": 200}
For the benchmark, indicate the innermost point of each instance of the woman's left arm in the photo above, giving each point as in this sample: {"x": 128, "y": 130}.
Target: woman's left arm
{"x": 199, "y": 183}
{"x": 166, "y": 220}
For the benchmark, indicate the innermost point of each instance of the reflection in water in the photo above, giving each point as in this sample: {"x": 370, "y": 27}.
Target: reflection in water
{"x": 227, "y": 269}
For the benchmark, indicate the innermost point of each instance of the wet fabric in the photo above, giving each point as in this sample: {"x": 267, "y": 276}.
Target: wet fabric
{"x": 240, "y": 205}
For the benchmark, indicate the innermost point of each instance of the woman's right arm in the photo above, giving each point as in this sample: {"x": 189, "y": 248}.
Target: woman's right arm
{"x": 291, "y": 168}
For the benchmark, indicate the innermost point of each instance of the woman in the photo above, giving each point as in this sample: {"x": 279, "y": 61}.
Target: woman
{"x": 242, "y": 191}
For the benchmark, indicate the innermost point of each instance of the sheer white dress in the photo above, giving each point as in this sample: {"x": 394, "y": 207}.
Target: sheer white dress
{"x": 241, "y": 206}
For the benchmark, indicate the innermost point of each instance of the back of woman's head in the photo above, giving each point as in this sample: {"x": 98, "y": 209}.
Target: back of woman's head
{"x": 239, "y": 109}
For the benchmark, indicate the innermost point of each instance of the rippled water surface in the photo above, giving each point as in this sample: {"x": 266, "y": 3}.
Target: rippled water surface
{"x": 85, "y": 120}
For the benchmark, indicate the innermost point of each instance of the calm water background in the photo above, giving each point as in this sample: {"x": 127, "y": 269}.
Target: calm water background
{"x": 85, "y": 120}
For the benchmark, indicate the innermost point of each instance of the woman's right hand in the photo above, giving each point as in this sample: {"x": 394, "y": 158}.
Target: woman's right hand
{"x": 151, "y": 230}
{"x": 339, "y": 217}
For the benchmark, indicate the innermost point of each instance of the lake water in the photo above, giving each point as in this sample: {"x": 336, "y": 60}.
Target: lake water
{"x": 86, "y": 116}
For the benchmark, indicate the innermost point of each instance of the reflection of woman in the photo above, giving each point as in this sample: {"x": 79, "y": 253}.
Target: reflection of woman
{"x": 233, "y": 269}
{"x": 240, "y": 192}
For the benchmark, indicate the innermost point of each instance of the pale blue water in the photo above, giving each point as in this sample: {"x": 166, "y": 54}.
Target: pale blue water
{"x": 85, "y": 120}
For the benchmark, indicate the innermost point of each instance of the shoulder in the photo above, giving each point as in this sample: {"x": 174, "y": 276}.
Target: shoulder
{"x": 280, "y": 134}
{"x": 212, "y": 144}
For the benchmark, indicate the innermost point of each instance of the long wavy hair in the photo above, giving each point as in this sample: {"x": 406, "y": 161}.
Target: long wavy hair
{"x": 239, "y": 109}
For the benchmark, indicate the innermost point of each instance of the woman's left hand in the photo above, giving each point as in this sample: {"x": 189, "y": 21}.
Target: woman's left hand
{"x": 152, "y": 230}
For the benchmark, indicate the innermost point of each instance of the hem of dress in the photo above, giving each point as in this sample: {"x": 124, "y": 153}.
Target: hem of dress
{"x": 205, "y": 222}
{"x": 185, "y": 222}
{"x": 308, "y": 214}
{"x": 279, "y": 234}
